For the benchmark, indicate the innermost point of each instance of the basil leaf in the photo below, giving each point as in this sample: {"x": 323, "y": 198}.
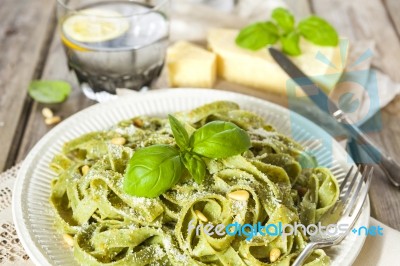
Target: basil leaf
{"x": 152, "y": 171}
{"x": 180, "y": 134}
{"x": 49, "y": 91}
{"x": 283, "y": 18}
{"x": 318, "y": 31}
{"x": 196, "y": 166}
{"x": 258, "y": 35}
{"x": 219, "y": 139}
{"x": 290, "y": 43}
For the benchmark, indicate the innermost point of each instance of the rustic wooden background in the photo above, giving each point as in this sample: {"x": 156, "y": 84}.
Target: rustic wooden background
{"x": 30, "y": 48}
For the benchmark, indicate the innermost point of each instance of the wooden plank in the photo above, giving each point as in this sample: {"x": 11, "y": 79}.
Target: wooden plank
{"x": 393, "y": 9}
{"x": 24, "y": 25}
{"x": 368, "y": 20}
{"x": 385, "y": 198}
{"x": 55, "y": 68}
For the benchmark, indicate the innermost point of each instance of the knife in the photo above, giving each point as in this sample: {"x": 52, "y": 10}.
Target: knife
{"x": 389, "y": 166}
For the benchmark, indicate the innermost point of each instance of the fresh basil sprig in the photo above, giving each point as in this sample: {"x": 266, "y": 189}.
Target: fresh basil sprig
{"x": 284, "y": 19}
{"x": 258, "y": 35}
{"x": 318, "y": 31}
{"x": 152, "y": 171}
{"x": 283, "y": 28}
{"x": 180, "y": 134}
{"x": 195, "y": 165}
{"x": 155, "y": 169}
{"x": 290, "y": 43}
{"x": 219, "y": 139}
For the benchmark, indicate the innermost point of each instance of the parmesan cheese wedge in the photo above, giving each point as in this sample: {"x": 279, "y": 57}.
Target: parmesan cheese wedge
{"x": 259, "y": 70}
{"x": 190, "y": 66}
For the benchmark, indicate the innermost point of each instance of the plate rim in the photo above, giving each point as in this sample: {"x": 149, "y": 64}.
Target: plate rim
{"x": 34, "y": 251}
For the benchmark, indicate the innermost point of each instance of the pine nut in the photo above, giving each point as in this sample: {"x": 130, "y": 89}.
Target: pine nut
{"x": 242, "y": 195}
{"x": 85, "y": 169}
{"x": 201, "y": 216}
{"x": 68, "y": 239}
{"x": 52, "y": 120}
{"x": 137, "y": 122}
{"x": 47, "y": 113}
{"x": 274, "y": 254}
{"x": 118, "y": 141}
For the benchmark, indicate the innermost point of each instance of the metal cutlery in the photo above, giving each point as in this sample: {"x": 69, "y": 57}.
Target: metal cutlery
{"x": 353, "y": 192}
{"x": 388, "y": 165}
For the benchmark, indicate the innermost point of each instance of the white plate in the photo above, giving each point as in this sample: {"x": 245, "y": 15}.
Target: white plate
{"x": 32, "y": 213}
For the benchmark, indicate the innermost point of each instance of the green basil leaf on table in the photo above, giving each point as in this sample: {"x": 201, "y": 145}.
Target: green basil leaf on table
{"x": 152, "y": 171}
{"x": 49, "y": 91}
{"x": 291, "y": 43}
{"x": 180, "y": 134}
{"x": 257, "y": 35}
{"x": 283, "y": 18}
{"x": 219, "y": 139}
{"x": 196, "y": 166}
{"x": 318, "y": 31}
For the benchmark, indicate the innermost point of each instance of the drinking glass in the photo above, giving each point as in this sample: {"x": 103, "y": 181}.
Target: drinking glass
{"x": 114, "y": 44}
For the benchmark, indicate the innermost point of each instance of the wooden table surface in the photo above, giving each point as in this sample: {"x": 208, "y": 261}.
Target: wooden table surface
{"x": 30, "y": 48}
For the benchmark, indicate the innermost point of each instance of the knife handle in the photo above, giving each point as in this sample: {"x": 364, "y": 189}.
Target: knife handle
{"x": 387, "y": 163}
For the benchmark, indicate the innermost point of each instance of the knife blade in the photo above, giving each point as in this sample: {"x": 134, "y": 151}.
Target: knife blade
{"x": 321, "y": 99}
{"x": 313, "y": 91}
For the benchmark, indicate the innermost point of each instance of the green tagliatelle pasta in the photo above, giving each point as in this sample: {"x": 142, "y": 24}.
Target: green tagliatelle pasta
{"x": 110, "y": 227}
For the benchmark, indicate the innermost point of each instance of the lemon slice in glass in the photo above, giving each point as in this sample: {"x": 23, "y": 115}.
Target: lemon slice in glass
{"x": 95, "y": 25}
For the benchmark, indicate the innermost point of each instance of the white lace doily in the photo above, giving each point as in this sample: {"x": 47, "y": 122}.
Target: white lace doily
{"x": 11, "y": 250}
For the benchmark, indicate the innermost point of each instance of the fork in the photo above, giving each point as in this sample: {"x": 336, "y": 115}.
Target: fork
{"x": 353, "y": 192}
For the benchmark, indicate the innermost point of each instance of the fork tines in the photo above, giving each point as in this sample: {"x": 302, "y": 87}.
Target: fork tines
{"x": 350, "y": 189}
